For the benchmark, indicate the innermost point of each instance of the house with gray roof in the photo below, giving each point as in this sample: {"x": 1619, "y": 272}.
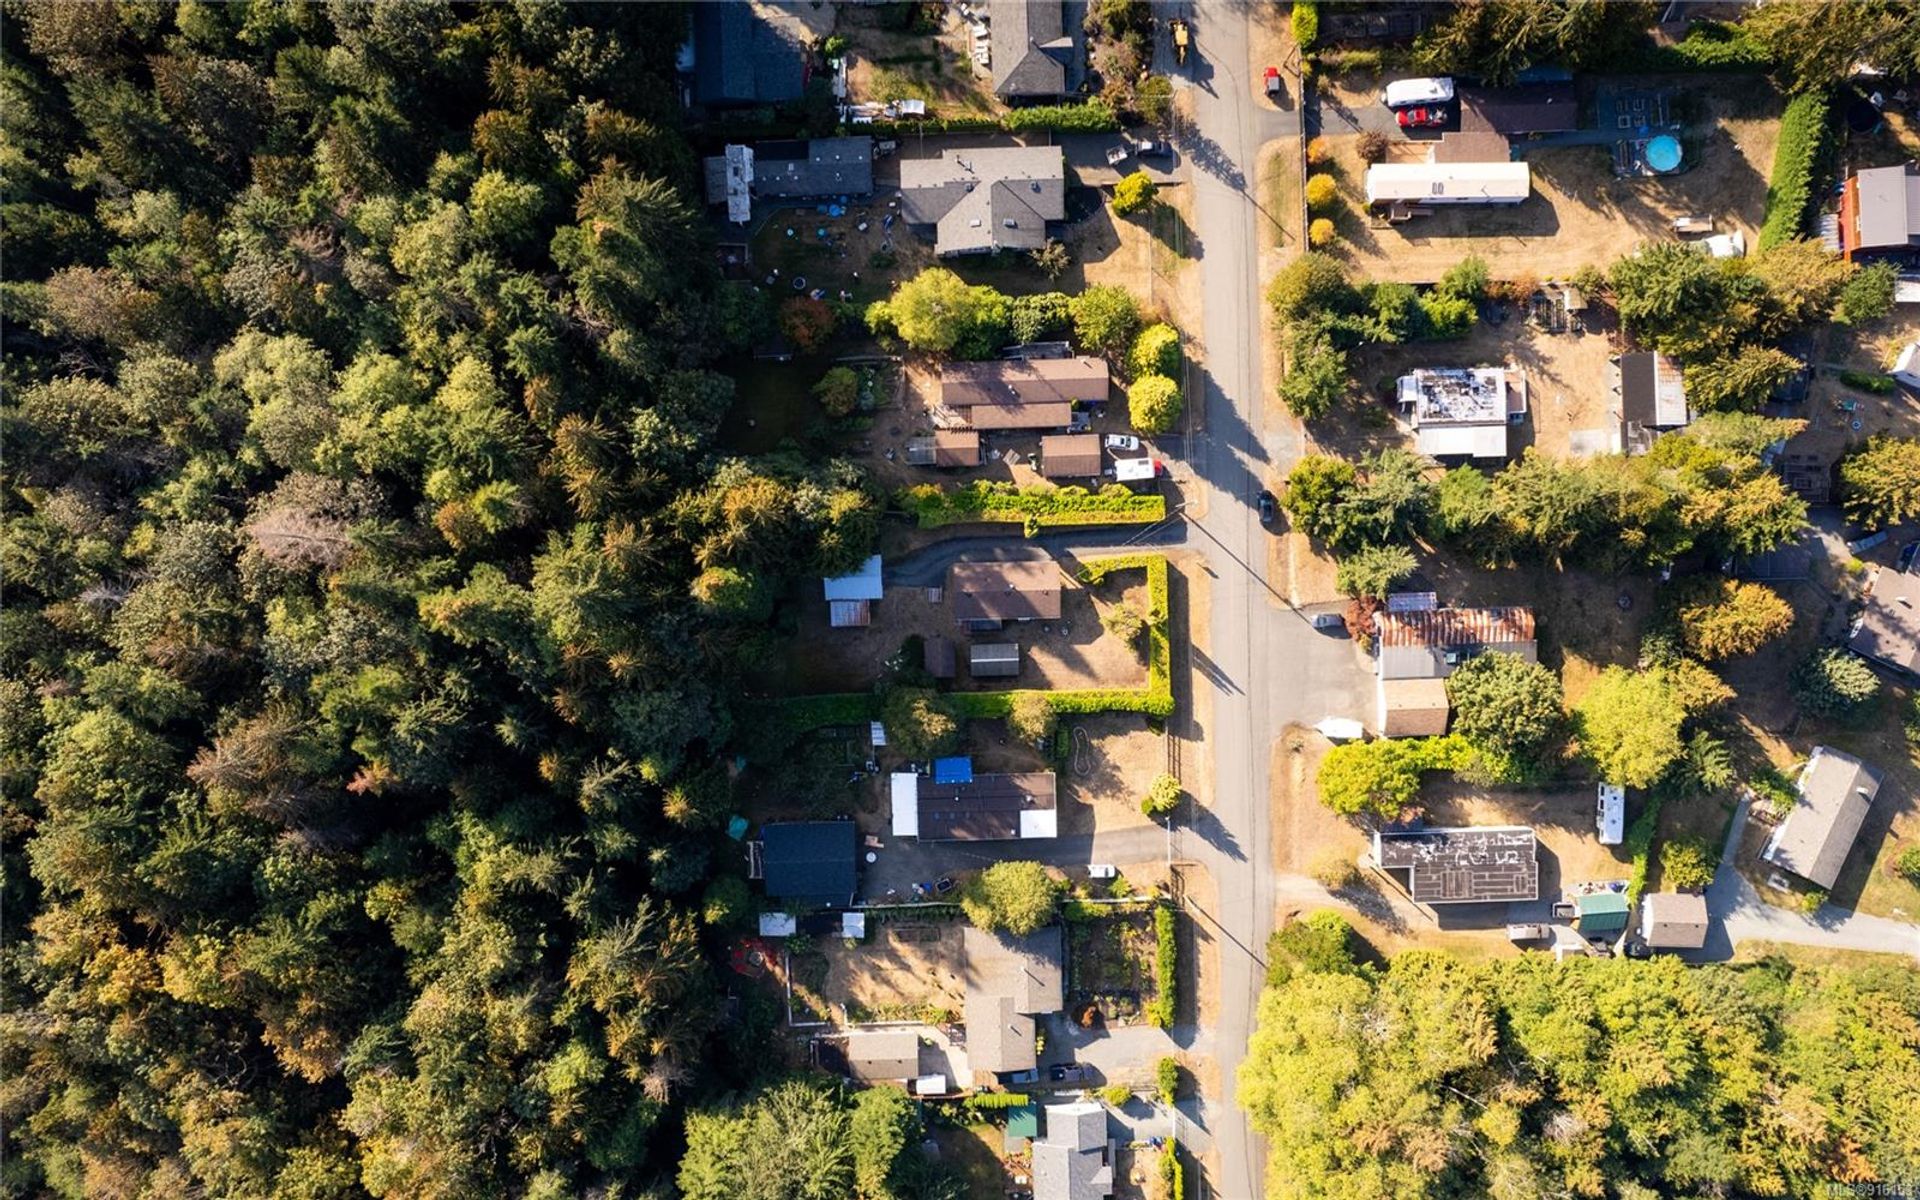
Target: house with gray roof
{"x": 1649, "y": 399}
{"x": 1835, "y": 790}
{"x": 1073, "y": 1159}
{"x": 789, "y": 170}
{"x": 1035, "y": 51}
{"x": 1880, "y": 212}
{"x": 1888, "y": 629}
{"x": 746, "y": 53}
{"x": 1009, "y": 981}
{"x": 985, "y": 198}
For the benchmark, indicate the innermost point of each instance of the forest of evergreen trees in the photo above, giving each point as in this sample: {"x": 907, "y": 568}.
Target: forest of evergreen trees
{"x": 374, "y": 597}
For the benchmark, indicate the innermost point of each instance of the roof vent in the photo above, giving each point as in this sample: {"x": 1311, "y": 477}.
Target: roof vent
{"x": 1010, "y": 223}
{"x": 1035, "y": 185}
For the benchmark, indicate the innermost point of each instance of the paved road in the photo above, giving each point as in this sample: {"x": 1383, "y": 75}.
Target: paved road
{"x": 1737, "y": 913}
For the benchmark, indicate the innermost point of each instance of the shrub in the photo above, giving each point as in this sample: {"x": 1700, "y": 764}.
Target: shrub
{"x": 1721, "y": 618}
{"x": 1173, "y": 1177}
{"x": 1446, "y": 318}
{"x": 838, "y": 391}
{"x": 1773, "y": 788}
{"x": 1383, "y": 778}
{"x": 1094, "y": 116}
{"x": 1833, "y": 683}
{"x": 1797, "y": 155}
{"x": 1166, "y": 965}
{"x": 1154, "y": 404}
{"x": 1051, "y": 260}
{"x": 1306, "y": 23}
{"x": 1156, "y": 351}
{"x": 1708, "y": 46}
{"x": 1319, "y": 944}
{"x": 807, "y": 322}
{"x": 1116, "y": 1094}
{"x": 1031, "y": 717}
{"x": 1686, "y": 864}
{"x": 1322, "y": 192}
{"x": 1166, "y": 1079}
{"x": 1868, "y": 381}
{"x": 1639, "y": 845}
{"x": 1309, "y": 285}
{"x": 1372, "y": 146}
{"x": 1907, "y": 864}
{"x": 1153, "y": 98}
{"x": 1322, "y": 233}
{"x": 1372, "y": 62}
{"x": 1465, "y": 280}
{"x": 1134, "y": 193}
{"x": 1162, "y": 797}
{"x": 1319, "y": 152}
{"x": 920, "y": 722}
{"x": 1036, "y": 507}
{"x": 1105, "y": 318}
{"x": 1125, "y": 623}
{"x": 1373, "y": 570}
{"x": 1042, "y": 315}
{"x": 1868, "y": 296}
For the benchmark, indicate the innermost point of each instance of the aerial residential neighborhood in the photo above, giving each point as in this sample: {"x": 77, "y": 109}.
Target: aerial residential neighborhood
{"x": 975, "y": 600}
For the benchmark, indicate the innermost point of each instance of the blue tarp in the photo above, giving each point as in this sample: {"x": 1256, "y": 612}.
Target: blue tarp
{"x": 953, "y": 770}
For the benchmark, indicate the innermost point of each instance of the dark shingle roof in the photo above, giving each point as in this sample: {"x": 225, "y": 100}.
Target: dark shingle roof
{"x": 741, "y": 58}
{"x": 809, "y": 861}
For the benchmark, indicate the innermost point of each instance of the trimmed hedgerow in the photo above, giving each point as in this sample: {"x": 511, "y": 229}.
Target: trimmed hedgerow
{"x": 1803, "y": 143}
{"x": 1034, "y": 508}
{"x": 1166, "y": 964}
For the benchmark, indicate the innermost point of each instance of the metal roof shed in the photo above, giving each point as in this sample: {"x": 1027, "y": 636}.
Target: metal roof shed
{"x": 1600, "y": 912}
{"x": 993, "y": 660}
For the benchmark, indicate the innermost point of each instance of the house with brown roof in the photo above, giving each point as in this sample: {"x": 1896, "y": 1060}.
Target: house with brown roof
{"x": 1070, "y": 455}
{"x": 1673, "y": 920}
{"x": 1054, "y": 385}
{"x": 979, "y": 199}
{"x": 1834, "y": 792}
{"x": 1419, "y": 648}
{"x": 988, "y": 593}
{"x": 1888, "y": 630}
{"x": 945, "y": 448}
{"x": 1009, "y": 981}
{"x": 964, "y": 807}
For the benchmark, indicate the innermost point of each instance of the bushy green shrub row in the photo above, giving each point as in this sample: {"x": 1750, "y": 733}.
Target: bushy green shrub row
{"x": 1868, "y": 381}
{"x": 1639, "y": 844}
{"x": 1708, "y": 46}
{"x": 1172, "y": 1173}
{"x": 1166, "y": 964}
{"x": 1095, "y": 116}
{"x": 1033, "y": 508}
{"x": 1803, "y": 141}
{"x": 1159, "y": 610}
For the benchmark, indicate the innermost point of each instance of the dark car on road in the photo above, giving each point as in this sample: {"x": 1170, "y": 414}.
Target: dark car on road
{"x": 1069, "y": 1073}
{"x": 1421, "y": 118}
{"x": 1267, "y": 508}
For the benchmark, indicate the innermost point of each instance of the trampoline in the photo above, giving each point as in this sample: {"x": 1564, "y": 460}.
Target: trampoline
{"x": 1663, "y": 154}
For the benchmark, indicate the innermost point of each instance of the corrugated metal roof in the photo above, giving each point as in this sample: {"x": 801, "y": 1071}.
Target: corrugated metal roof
{"x": 1456, "y": 627}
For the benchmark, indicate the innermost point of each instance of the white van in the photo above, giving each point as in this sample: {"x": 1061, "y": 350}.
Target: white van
{"x": 1406, "y": 93}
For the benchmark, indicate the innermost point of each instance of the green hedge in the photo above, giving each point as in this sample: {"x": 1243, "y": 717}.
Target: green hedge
{"x": 1095, "y": 116}
{"x": 1166, "y": 966}
{"x": 1034, "y": 508}
{"x": 1639, "y": 844}
{"x": 1802, "y": 147}
{"x": 1709, "y": 46}
{"x": 799, "y": 714}
{"x": 1172, "y": 1172}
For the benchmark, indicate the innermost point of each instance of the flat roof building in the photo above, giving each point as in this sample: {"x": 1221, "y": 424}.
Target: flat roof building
{"x": 1413, "y": 707}
{"x": 1673, "y": 920}
{"x": 1449, "y": 183}
{"x": 937, "y": 655}
{"x": 993, "y": 660}
{"x": 1880, "y": 211}
{"x": 1070, "y": 455}
{"x": 1463, "y": 412}
{"x": 850, "y": 597}
{"x": 976, "y": 808}
{"x": 1889, "y": 629}
{"x": 1835, "y": 791}
{"x": 985, "y": 198}
{"x": 1649, "y": 398}
{"x": 1004, "y": 591}
{"x": 1463, "y": 866}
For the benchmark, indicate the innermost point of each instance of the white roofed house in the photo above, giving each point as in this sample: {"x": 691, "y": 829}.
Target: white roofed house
{"x": 1463, "y": 412}
{"x": 850, "y": 597}
{"x": 1448, "y": 183}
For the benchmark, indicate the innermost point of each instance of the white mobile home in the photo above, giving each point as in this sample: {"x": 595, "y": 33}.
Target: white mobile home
{"x": 1449, "y": 183}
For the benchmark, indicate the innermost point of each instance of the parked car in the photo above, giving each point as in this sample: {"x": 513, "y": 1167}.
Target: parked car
{"x": 1102, "y": 871}
{"x": 1122, "y": 441}
{"x": 1028, "y": 1076}
{"x": 1069, "y": 1073}
{"x": 1273, "y": 83}
{"x": 1421, "y": 118}
{"x": 1146, "y": 147}
{"x": 1407, "y": 93}
{"x": 1330, "y": 622}
{"x": 1268, "y": 507}
{"x": 1532, "y": 932}
{"x": 1906, "y": 557}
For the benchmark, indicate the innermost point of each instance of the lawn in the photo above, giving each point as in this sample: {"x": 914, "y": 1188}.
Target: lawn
{"x": 973, "y": 1152}
{"x": 773, "y": 402}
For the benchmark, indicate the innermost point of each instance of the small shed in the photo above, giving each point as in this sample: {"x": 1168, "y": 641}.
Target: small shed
{"x": 1070, "y": 455}
{"x": 850, "y": 597}
{"x": 883, "y": 1055}
{"x": 778, "y": 924}
{"x": 993, "y": 660}
{"x": 1674, "y": 920}
{"x": 1413, "y": 707}
{"x": 1600, "y": 913}
{"x": 937, "y": 656}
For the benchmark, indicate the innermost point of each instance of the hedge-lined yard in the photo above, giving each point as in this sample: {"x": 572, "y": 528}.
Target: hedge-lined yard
{"x": 1166, "y": 967}
{"x": 1094, "y": 116}
{"x": 1033, "y": 508}
{"x": 1804, "y": 129}
{"x": 800, "y": 714}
